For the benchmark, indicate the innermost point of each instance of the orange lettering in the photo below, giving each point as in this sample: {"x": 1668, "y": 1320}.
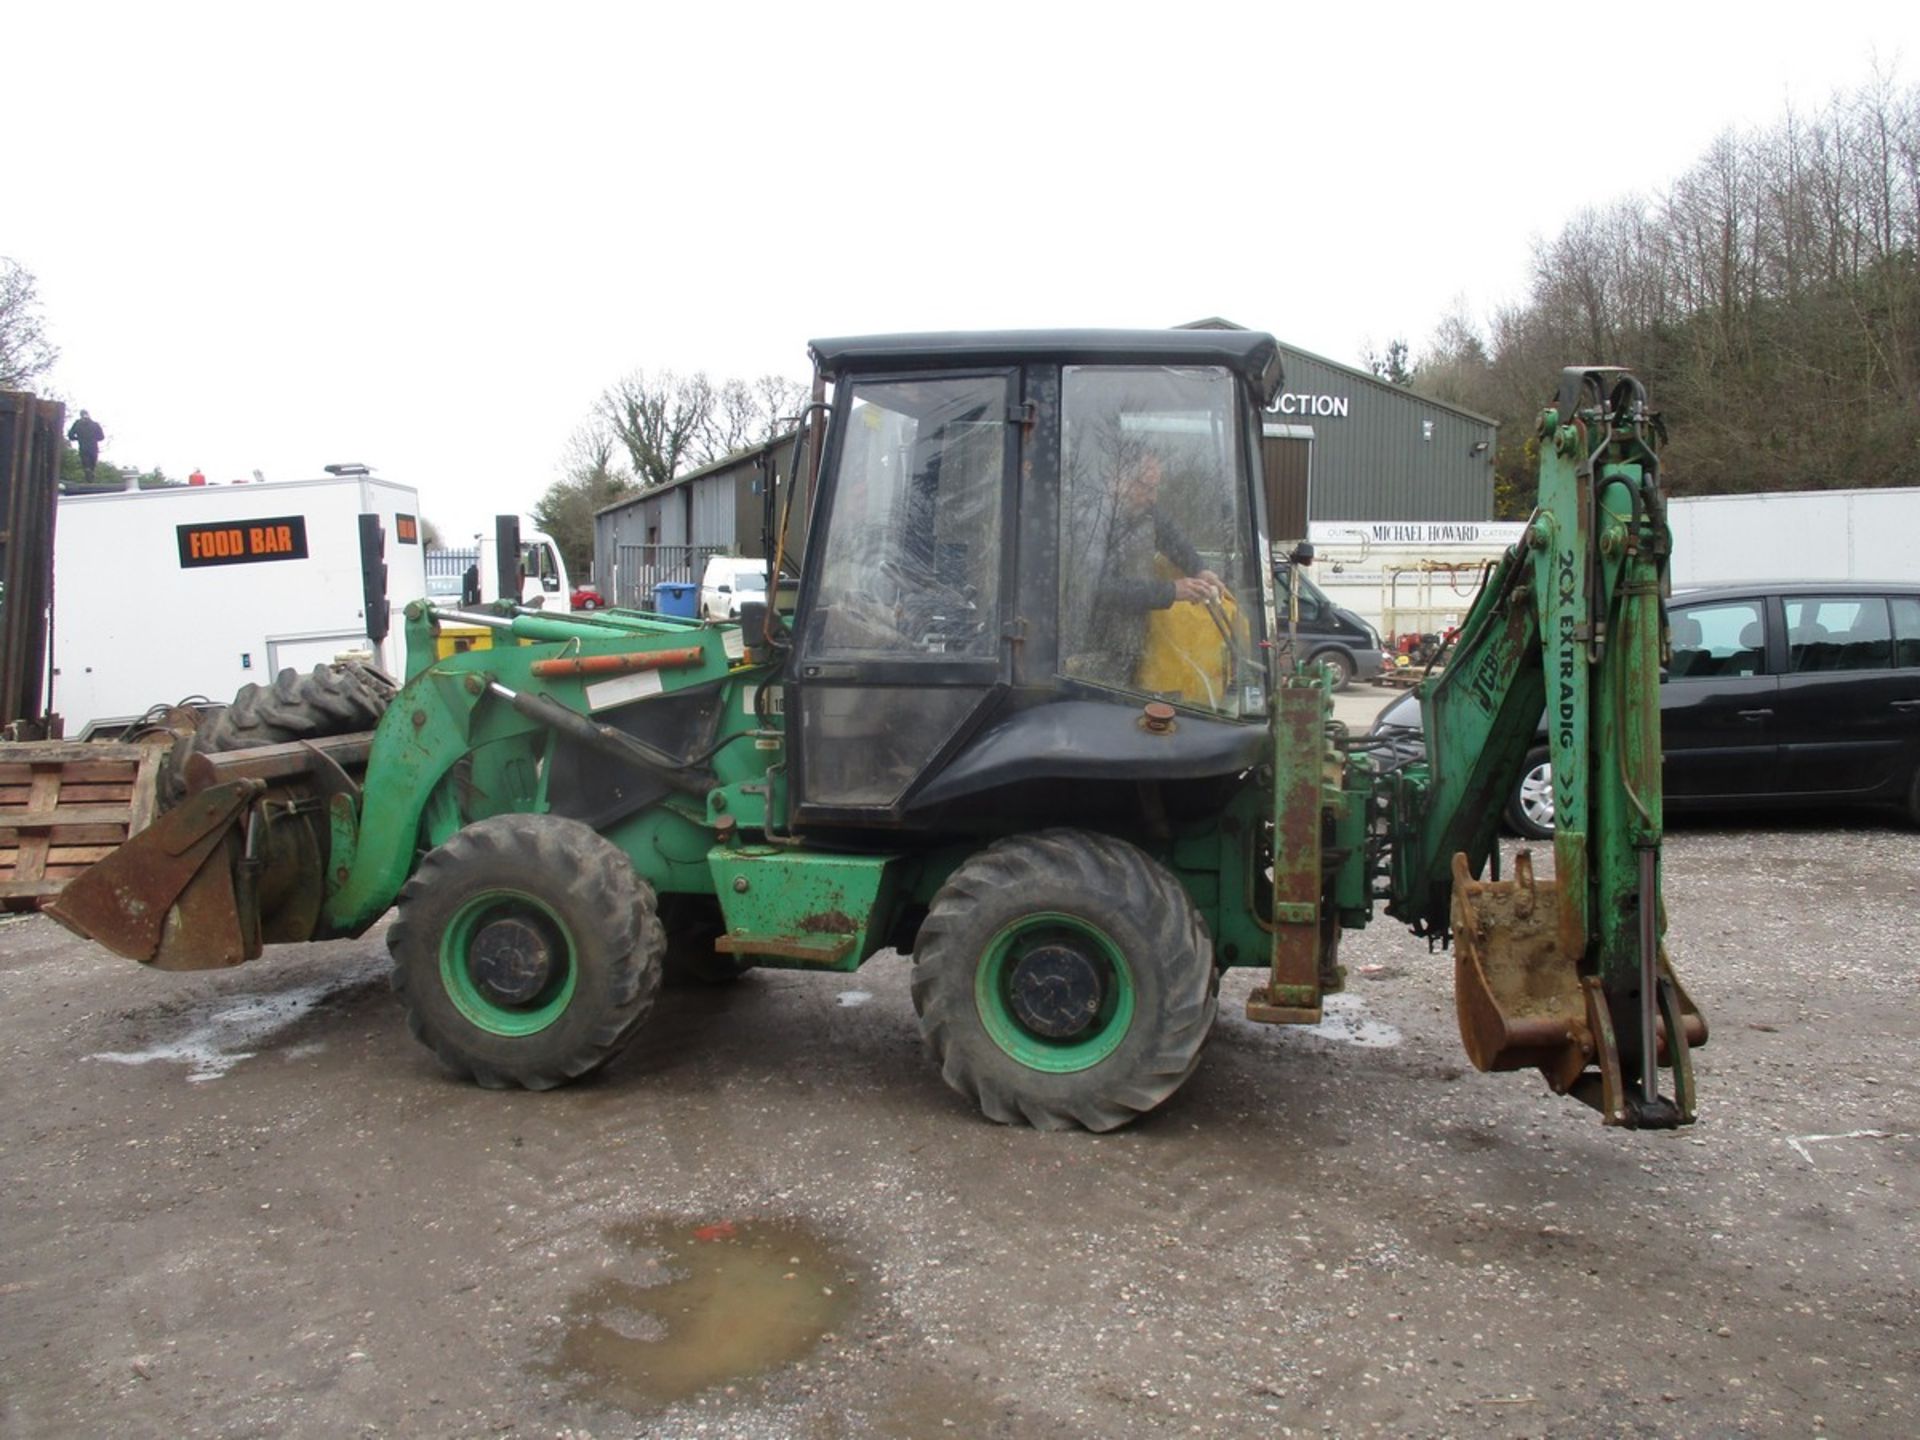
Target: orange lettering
{"x": 257, "y": 541}
{"x": 283, "y": 539}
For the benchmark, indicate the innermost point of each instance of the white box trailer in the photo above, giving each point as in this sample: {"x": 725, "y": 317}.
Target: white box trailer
{"x": 1406, "y": 577}
{"x": 1796, "y": 535}
{"x": 162, "y": 595}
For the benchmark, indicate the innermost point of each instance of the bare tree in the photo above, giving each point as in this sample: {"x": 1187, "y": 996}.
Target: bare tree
{"x": 25, "y": 352}
{"x": 659, "y": 421}
{"x": 1770, "y": 297}
{"x": 593, "y": 481}
{"x": 733, "y": 423}
{"x": 780, "y": 400}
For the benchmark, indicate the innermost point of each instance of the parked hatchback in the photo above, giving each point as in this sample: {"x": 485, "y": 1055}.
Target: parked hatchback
{"x": 1778, "y": 695}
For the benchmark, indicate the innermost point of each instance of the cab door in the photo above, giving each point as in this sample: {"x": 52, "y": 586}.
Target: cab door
{"x": 900, "y": 643}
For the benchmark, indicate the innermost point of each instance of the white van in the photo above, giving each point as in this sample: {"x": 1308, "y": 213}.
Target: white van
{"x": 727, "y": 582}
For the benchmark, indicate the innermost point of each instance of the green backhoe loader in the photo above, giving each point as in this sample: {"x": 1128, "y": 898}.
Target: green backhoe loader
{"x": 1034, "y": 719}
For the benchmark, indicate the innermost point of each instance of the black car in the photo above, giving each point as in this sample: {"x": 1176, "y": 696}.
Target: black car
{"x": 1778, "y": 695}
{"x": 1328, "y": 634}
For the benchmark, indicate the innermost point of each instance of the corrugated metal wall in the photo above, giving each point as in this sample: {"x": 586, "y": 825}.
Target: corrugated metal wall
{"x": 1381, "y": 452}
{"x": 714, "y": 509}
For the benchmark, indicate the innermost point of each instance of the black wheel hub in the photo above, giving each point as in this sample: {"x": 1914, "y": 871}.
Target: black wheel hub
{"x": 1056, "y": 991}
{"x": 512, "y": 960}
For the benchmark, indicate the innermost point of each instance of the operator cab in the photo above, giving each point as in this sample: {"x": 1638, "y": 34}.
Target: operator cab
{"x": 1019, "y": 542}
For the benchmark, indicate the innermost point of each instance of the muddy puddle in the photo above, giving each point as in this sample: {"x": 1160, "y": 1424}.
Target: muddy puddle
{"x": 693, "y": 1306}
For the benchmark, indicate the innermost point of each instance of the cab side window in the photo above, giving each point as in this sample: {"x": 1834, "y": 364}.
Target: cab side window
{"x": 1713, "y": 641}
{"x": 1838, "y": 633}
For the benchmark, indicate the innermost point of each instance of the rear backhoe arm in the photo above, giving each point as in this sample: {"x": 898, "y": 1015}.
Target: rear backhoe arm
{"x": 1569, "y": 974}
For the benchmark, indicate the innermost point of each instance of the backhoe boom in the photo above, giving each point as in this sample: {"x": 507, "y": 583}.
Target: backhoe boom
{"x": 1568, "y": 974}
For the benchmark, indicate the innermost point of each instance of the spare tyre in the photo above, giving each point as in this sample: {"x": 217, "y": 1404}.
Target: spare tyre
{"x": 340, "y": 699}
{"x": 332, "y": 700}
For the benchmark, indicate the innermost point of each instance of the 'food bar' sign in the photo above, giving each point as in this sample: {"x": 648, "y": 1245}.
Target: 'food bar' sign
{"x": 243, "y": 542}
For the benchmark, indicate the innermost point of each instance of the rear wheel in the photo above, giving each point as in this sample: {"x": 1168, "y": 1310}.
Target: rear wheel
{"x": 693, "y": 923}
{"x": 1338, "y": 665}
{"x": 1064, "y": 979}
{"x": 1530, "y": 807}
{"x": 526, "y": 951}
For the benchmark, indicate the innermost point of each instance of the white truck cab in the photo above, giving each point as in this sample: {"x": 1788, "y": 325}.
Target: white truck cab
{"x": 544, "y": 580}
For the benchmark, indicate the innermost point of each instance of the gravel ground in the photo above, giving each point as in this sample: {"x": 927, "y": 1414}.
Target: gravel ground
{"x": 247, "y": 1203}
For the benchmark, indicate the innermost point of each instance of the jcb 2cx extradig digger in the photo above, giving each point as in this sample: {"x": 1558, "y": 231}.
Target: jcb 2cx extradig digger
{"x": 1033, "y": 720}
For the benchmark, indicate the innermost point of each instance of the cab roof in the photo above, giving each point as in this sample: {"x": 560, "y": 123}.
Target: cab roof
{"x": 1251, "y": 354}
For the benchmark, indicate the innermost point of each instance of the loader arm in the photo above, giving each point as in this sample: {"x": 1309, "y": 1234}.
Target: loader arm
{"x": 1569, "y": 974}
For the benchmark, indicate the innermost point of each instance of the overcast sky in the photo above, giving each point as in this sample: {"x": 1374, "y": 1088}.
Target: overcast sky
{"x": 426, "y": 236}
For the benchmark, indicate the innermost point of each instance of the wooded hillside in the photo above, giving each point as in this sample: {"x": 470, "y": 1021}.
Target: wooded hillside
{"x": 1770, "y": 299}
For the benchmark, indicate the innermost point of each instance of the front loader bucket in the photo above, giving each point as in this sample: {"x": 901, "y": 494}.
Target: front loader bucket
{"x": 228, "y": 869}
{"x": 1522, "y": 1000}
{"x": 171, "y": 882}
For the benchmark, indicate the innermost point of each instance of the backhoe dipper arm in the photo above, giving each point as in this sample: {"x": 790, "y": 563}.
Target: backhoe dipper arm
{"x": 1567, "y": 974}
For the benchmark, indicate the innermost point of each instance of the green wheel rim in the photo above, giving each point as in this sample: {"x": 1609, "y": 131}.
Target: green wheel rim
{"x": 456, "y": 977}
{"x": 993, "y": 993}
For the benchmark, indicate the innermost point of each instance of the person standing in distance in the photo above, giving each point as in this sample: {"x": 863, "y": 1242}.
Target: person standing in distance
{"x": 87, "y": 434}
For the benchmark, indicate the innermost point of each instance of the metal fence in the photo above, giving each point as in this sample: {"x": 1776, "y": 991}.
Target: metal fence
{"x": 451, "y": 562}
{"x": 638, "y": 568}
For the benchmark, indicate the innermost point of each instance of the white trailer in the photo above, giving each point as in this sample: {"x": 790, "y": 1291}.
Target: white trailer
{"x": 163, "y": 595}
{"x": 1415, "y": 577}
{"x": 1796, "y": 535}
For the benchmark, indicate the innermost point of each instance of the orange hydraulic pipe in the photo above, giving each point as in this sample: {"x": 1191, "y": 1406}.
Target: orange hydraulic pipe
{"x": 619, "y": 664}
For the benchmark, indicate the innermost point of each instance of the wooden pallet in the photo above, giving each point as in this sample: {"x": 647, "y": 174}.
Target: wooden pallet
{"x": 64, "y": 805}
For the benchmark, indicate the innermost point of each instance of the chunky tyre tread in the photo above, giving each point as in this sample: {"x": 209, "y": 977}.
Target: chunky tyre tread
{"x": 1113, "y": 884}
{"x": 329, "y": 700}
{"x": 617, "y": 932}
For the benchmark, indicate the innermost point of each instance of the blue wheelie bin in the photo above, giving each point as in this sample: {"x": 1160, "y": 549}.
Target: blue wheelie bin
{"x": 676, "y": 597}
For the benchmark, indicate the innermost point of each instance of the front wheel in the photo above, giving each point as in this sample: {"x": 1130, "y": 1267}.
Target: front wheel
{"x": 526, "y": 951}
{"x": 1530, "y": 807}
{"x": 1064, "y": 979}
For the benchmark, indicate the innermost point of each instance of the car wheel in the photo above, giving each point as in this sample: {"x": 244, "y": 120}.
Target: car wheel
{"x": 589, "y": 604}
{"x": 1530, "y": 810}
{"x": 1339, "y": 665}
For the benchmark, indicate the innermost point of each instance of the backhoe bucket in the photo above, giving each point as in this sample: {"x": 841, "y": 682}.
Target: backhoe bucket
{"x": 1523, "y": 1001}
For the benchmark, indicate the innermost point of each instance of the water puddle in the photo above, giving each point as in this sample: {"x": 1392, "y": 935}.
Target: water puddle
{"x": 700, "y": 1306}
{"x": 850, "y": 998}
{"x": 219, "y": 1036}
{"x": 1343, "y": 1018}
